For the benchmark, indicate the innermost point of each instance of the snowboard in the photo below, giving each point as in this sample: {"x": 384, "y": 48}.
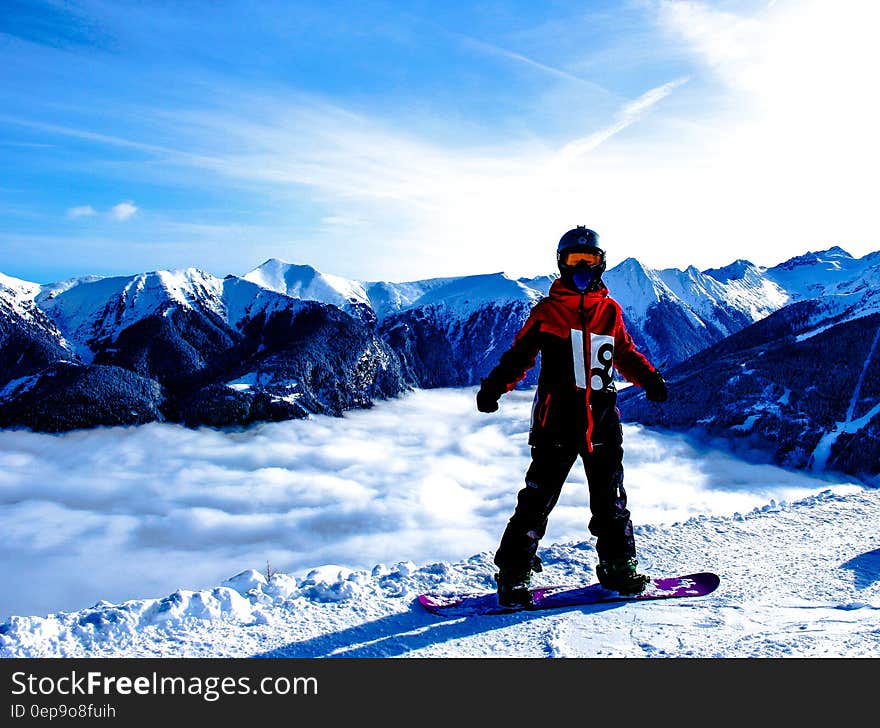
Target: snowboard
{"x": 554, "y": 597}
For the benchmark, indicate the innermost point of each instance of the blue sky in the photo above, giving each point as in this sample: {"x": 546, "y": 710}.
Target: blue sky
{"x": 396, "y": 141}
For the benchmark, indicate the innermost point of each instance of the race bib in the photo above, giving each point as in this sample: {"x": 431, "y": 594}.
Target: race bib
{"x": 601, "y": 360}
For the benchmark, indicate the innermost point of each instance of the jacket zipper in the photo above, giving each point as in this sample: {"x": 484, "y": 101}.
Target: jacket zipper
{"x": 583, "y": 316}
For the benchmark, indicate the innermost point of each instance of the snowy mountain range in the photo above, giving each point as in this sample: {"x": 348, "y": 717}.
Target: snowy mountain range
{"x": 671, "y": 313}
{"x": 180, "y": 346}
{"x": 802, "y": 385}
{"x": 287, "y": 340}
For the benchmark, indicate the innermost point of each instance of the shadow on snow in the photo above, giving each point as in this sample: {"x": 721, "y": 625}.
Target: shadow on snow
{"x": 401, "y": 634}
{"x": 865, "y": 567}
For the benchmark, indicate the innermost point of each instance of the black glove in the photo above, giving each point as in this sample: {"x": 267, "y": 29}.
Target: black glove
{"x": 486, "y": 401}
{"x": 655, "y": 387}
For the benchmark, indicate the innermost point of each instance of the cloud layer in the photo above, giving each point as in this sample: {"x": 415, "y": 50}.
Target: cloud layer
{"x": 121, "y": 513}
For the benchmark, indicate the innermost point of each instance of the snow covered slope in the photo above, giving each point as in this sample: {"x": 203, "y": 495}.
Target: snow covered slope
{"x": 29, "y": 340}
{"x": 780, "y": 596}
{"x": 308, "y": 283}
{"x": 672, "y": 314}
{"x": 816, "y": 273}
{"x": 446, "y": 331}
{"x": 461, "y": 295}
{"x": 93, "y": 312}
{"x": 453, "y": 333}
{"x": 802, "y": 386}
{"x": 450, "y": 331}
{"x": 17, "y": 295}
{"x": 304, "y": 281}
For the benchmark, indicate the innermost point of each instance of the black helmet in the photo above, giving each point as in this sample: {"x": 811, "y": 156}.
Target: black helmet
{"x": 580, "y": 260}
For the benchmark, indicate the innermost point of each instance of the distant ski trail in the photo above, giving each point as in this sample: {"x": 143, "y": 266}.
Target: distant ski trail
{"x": 855, "y": 398}
{"x": 822, "y": 451}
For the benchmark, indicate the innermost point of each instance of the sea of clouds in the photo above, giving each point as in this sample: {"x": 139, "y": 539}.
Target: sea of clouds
{"x": 138, "y": 512}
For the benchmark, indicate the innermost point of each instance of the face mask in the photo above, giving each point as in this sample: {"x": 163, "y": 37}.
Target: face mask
{"x": 582, "y": 278}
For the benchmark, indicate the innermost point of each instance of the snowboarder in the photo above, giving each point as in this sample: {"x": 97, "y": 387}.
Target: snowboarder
{"x": 578, "y": 329}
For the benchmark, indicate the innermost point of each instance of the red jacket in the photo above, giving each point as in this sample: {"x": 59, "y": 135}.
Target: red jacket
{"x": 579, "y": 336}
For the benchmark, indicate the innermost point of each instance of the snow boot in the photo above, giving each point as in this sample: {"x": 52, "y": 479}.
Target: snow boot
{"x": 513, "y": 589}
{"x": 620, "y": 575}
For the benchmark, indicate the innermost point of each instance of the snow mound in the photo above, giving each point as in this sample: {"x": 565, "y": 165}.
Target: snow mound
{"x": 244, "y": 600}
{"x": 246, "y": 582}
{"x": 108, "y": 625}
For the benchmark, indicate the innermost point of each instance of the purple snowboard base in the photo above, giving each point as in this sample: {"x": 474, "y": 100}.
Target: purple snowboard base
{"x": 553, "y": 597}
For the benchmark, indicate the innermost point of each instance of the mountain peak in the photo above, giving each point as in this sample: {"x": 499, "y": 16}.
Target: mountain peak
{"x": 832, "y": 254}
{"x": 634, "y": 286}
{"x": 274, "y": 272}
{"x": 10, "y": 282}
{"x": 837, "y": 251}
{"x": 631, "y": 266}
{"x": 279, "y": 263}
{"x": 307, "y": 282}
{"x": 733, "y": 272}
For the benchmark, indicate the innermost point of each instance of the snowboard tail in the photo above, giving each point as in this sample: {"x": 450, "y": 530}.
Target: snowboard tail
{"x": 554, "y": 597}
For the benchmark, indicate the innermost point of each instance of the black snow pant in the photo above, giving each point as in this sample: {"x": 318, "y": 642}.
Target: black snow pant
{"x": 610, "y": 522}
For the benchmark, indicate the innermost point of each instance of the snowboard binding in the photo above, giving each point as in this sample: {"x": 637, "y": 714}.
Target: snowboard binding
{"x": 513, "y": 589}
{"x": 620, "y": 575}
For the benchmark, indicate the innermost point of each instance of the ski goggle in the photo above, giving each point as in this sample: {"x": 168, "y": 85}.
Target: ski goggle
{"x": 574, "y": 257}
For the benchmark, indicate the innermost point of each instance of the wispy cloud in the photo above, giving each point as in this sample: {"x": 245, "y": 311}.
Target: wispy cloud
{"x": 82, "y": 211}
{"x": 394, "y": 185}
{"x": 628, "y": 115}
{"x": 25, "y": 145}
{"x": 123, "y": 211}
{"x": 796, "y": 129}
{"x": 84, "y": 134}
{"x": 497, "y": 50}
{"x": 119, "y": 212}
{"x": 755, "y": 106}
